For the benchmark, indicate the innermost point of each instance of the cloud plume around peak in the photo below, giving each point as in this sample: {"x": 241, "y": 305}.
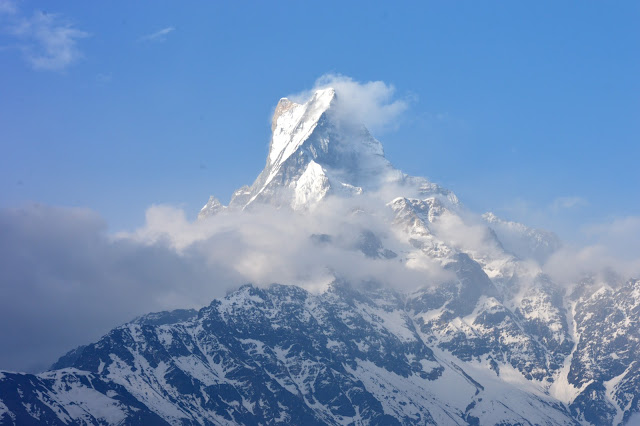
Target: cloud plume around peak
{"x": 371, "y": 103}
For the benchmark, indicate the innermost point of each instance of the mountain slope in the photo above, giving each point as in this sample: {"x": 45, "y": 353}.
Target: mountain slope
{"x": 345, "y": 356}
{"x": 342, "y": 357}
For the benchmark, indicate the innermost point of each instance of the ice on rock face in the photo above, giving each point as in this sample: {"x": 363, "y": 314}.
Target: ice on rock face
{"x": 311, "y": 187}
{"x": 292, "y": 123}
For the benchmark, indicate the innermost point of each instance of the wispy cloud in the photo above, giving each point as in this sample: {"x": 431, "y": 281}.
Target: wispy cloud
{"x": 158, "y": 36}
{"x": 621, "y": 235}
{"x": 563, "y": 203}
{"x": 47, "y": 40}
{"x": 546, "y": 216}
{"x": 104, "y": 78}
{"x": 613, "y": 246}
{"x": 7, "y": 7}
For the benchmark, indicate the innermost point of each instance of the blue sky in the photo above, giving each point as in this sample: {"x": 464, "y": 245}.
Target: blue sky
{"x": 528, "y": 109}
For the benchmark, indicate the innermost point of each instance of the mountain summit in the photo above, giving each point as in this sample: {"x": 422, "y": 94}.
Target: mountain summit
{"x": 315, "y": 151}
{"x": 431, "y": 314}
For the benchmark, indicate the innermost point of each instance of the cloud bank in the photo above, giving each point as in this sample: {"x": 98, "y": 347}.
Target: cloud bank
{"x": 266, "y": 245}
{"x": 65, "y": 282}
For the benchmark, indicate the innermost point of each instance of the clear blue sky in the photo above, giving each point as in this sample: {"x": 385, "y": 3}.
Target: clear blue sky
{"x": 528, "y": 109}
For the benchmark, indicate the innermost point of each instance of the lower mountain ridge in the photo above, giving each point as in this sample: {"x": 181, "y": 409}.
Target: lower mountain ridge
{"x": 282, "y": 355}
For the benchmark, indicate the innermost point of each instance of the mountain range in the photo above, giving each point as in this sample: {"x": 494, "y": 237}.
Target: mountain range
{"x": 456, "y": 323}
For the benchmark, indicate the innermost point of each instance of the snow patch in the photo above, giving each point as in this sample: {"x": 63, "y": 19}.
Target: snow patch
{"x": 311, "y": 187}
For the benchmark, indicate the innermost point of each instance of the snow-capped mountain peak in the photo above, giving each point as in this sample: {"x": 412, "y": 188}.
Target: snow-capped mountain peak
{"x": 316, "y": 149}
{"x": 292, "y": 123}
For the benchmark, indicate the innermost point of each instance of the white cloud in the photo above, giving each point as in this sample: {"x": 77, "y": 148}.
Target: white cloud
{"x": 466, "y": 233}
{"x": 159, "y": 36}
{"x": 525, "y": 242}
{"x": 526, "y": 211}
{"x": 371, "y": 103}
{"x": 621, "y": 236}
{"x": 558, "y": 215}
{"x": 626, "y": 227}
{"x": 563, "y": 203}
{"x": 614, "y": 246}
{"x": 249, "y": 245}
{"x": 47, "y": 40}
{"x": 597, "y": 249}
{"x": 58, "y": 265}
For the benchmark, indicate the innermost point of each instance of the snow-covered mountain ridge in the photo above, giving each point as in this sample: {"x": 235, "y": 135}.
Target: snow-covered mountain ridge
{"x": 463, "y": 326}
